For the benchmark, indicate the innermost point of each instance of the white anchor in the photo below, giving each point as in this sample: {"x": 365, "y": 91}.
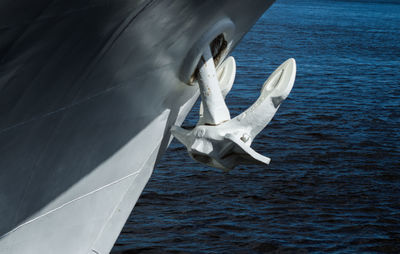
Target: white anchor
{"x": 222, "y": 142}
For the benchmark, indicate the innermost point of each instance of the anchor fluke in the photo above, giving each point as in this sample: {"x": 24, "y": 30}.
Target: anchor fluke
{"x": 219, "y": 141}
{"x": 273, "y": 92}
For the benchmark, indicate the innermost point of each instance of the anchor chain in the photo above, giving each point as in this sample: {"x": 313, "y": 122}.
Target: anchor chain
{"x": 222, "y": 142}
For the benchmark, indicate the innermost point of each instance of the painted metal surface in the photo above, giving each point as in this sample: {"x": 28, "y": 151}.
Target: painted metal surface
{"x": 221, "y": 142}
{"x": 88, "y": 92}
{"x": 214, "y": 109}
{"x": 226, "y": 76}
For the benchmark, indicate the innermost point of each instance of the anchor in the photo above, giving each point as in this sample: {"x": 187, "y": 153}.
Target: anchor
{"x": 222, "y": 142}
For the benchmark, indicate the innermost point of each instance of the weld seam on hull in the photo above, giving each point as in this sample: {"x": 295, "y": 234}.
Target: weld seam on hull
{"x": 103, "y": 50}
{"x": 70, "y": 202}
{"x": 77, "y": 103}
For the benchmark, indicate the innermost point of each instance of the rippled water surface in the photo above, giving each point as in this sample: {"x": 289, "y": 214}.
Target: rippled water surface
{"x": 334, "y": 180}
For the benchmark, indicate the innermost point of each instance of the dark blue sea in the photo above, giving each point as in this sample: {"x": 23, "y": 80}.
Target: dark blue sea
{"x": 333, "y": 184}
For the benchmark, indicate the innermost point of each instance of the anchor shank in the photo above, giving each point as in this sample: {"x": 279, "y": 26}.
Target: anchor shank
{"x": 215, "y": 110}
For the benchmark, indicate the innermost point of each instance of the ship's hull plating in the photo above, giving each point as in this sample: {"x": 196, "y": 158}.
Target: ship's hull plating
{"x": 88, "y": 92}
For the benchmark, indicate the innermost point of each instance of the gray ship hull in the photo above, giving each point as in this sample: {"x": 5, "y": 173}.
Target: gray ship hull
{"x": 88, "y": 93}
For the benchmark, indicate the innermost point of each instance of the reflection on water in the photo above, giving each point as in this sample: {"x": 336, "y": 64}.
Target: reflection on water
{"x": 334, "y": 180}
